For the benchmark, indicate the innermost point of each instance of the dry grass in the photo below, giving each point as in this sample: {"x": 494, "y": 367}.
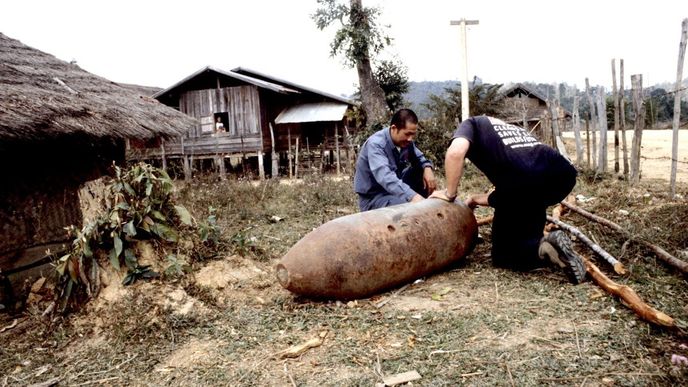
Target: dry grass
{"x": 472, "y": 324}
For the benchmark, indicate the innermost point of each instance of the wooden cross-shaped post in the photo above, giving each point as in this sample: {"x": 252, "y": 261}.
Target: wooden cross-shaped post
{"x": 465, "y": 111}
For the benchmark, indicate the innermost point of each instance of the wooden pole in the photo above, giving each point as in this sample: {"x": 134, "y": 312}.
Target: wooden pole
{"x": 308, "y": 152}
{"x": 587, "y": 141}
{"x": 187, "y": 168}
{"x": 349, "y": 148}
{"x": 289, "y": 150}
{"x": 336, "y": 146}
{"x": 261, "y": 165}
{"x": 622, "y": 108}
{"x": 274, "y": 170}
{"x": 296, "y": 160}
{"x": 615, "y": 95}
{"x": 638, "y": 124}
{"x": 677, "y": 105}
{"x": 164, "y": 159}
{"x": 602, "y": 117}
{"x": 576, "y": 132}
{"x": 593, "y": 119}
{"x": 465, "y": 110}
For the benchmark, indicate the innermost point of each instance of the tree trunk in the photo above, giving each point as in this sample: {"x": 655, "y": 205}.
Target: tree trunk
{"x": 593, "y": 119}
{"x": 639, "y": 108}
{"x": 622, "y": 108}
{"x": 576, "y": 132}
{"x": 677, "y": 105}
{"x": 372, "y": 96}
{"x": 615, "y": 95}
{"x": 602, "y": 118}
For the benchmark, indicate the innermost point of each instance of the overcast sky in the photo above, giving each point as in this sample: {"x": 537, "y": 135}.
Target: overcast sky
{"x": 157, "y": 43}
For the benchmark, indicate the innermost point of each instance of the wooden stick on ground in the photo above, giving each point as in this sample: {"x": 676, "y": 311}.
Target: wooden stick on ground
{"x": 485, "y": 220}
{"x": 629, "y": 296}
{"x": 618, "y": 266}
{"x": 660, "y": 252}
{"x": 298, "y": 350}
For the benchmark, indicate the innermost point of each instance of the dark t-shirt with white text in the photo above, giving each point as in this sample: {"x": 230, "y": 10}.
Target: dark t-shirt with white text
{"x": 507, "y": 154}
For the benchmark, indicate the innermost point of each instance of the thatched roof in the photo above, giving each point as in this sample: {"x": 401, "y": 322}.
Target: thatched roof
{"x": 42, "y": 97}
{"x": 146, "y": 91}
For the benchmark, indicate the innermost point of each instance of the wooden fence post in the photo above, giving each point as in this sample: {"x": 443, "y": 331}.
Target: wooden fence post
{"x": 593, "y": 119}
{"x": 576, "y": 131}
{"x": 615, "y": 95}
{"x": 638, "y": 124}
{"x": 677, "y": 105}
{"x": 622, "y": 108}
{"x": 602, "y": 117}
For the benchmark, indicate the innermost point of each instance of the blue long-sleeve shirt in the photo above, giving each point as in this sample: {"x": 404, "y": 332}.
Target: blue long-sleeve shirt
{"x": 380, "y": 165}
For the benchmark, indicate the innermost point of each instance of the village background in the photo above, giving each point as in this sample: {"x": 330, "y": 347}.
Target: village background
{"x": 159, "y": 159}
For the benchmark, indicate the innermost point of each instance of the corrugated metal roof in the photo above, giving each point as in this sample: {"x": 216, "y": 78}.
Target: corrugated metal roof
{"x": 269, "y": 78}
{"x": 312, "y": 112}
{"x": 250, "y": 80}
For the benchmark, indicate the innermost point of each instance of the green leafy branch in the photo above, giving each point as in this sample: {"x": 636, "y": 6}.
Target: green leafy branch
{"x": 138, "y": 206}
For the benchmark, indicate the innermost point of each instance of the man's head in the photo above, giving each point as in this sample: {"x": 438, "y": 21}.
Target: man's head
{"x": 403, "y": 127}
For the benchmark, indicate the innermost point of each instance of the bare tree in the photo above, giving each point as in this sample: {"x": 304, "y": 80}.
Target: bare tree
{"x": 593, "y": 120}
{"x": 677, "y": 105}
{"x": 638, "y": 124}
{"x": 622, "y": 108}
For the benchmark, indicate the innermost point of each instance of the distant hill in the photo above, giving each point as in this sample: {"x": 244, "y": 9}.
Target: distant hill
{"x": 419, "y": 92}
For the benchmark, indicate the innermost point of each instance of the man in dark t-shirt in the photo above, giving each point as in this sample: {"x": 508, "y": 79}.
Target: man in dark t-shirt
{"x": 528, "y": 177}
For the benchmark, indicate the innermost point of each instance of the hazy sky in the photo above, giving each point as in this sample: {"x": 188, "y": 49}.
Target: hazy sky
{"x": 157, "y": 43}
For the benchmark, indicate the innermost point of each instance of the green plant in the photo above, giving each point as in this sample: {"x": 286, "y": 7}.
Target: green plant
{"x": 209, "y": 230}
{"x": 138, "y": 206}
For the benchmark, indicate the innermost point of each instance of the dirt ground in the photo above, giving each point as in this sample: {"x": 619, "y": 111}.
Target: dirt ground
{"x": 655, "y": 162}
{"x": 472, "y": 324}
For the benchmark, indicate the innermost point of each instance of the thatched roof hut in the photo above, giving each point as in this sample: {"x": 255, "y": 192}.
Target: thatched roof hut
{"x": 60, "y": 126}
{"x": 43, "y": 97}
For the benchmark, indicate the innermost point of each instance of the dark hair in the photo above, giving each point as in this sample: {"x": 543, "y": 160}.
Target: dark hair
{"x": 402, "y": 116}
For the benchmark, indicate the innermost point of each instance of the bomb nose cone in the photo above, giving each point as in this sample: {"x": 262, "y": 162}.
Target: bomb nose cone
{"x": 283, "y": 276}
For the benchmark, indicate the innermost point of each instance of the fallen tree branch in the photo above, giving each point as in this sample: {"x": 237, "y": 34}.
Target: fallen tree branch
{"x": 618, "y": 266}
{"x": 629, "y": 296}
{"x": 660, "y": 252}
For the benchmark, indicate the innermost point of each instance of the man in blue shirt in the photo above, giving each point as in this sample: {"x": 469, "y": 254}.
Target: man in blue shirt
{"x": 390, "y": 169}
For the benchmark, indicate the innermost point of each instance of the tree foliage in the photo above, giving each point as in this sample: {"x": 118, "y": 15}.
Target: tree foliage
{"x": 358, "y": 35}
{"x": 393, "y": 79}
{"x": 433, "y": 138}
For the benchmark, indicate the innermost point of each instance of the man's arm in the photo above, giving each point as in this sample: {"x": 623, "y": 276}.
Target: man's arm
{"x": 429, "y": 182}
{"x": 453, "y": 164}
{"x": 453, "y": 168}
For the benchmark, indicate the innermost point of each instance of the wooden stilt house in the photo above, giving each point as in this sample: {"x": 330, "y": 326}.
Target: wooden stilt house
{"x": 261, "y": 117}
{"x": 526, "y": 107}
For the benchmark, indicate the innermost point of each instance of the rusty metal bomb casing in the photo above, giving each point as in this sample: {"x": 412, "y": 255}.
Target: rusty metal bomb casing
{"x": 361, "y": 254}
